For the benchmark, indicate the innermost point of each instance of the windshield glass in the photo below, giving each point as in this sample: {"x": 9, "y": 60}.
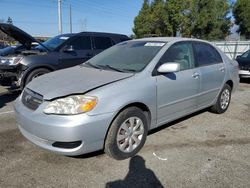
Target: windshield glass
{"x": 53, "y": 43}
{"x": 132, "y": 56}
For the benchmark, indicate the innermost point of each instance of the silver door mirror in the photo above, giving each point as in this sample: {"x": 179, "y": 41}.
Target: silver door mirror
{"x": 169, "y": 67}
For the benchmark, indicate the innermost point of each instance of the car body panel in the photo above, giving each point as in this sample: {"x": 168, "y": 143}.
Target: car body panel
{"x": 167, "y": 97}
{"x": 171, "y": 100}
{"x": 87, "y": 78}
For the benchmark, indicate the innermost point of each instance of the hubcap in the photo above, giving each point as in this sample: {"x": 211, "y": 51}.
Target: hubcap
{"x": 225, "y": 98}
{"x": 130, "y": 134}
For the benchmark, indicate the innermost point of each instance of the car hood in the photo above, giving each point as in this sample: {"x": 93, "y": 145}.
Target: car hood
{"x": 75, "y": 80}
{"x": 19, "y": 35}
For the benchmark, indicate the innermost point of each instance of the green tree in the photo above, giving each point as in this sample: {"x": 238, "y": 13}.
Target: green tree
{"x": 142, "y": 22}
{"x": 206, "y": 19}
{"x": 179, "y": 13}
{"x": 210, "y": 19}
{"x": 241, "y": 12}
{"x": 160, "y": 25}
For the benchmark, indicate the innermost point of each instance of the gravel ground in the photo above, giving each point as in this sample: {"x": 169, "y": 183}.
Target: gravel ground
{"x": 201, "y": 150}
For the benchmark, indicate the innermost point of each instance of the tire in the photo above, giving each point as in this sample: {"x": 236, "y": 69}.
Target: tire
{"x": 36, "y": 73}
{"x": 119, "y": 148}
{"x": 223, "y": 100}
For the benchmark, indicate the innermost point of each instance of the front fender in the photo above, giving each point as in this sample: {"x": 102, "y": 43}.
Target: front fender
{"x": 114, "y": 97}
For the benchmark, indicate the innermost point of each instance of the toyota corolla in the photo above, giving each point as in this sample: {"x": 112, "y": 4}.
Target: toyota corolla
{"x": 114, "y": 99}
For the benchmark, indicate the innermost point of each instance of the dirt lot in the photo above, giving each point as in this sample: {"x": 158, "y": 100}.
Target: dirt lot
{"x": 202, "y": 150}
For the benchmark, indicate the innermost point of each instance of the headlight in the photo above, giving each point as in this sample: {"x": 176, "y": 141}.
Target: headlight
{"x": 71, "y": 105}
{"x": 10, "y": 60}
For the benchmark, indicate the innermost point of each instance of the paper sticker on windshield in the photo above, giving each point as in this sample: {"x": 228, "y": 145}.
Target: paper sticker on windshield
{"x": 64, "y": 38}
{"x": 155, "y": 44}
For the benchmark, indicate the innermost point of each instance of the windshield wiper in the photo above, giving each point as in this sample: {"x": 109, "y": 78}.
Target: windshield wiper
{"x": 113, "y": 68}
{"x": 129, "y": 70}
{"x": 92, "y": 65}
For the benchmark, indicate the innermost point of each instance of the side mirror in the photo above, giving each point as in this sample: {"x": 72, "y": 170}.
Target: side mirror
{"x": 238, "y": 56}
{"x": 169, "y": 67}
{"x": 68, "y": 49}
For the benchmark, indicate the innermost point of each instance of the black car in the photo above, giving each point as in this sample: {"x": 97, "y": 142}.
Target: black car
{"x": 60, "y": 52}
{"x": 244, "y": 64}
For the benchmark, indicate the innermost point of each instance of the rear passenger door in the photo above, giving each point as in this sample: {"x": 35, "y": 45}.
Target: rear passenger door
{"x": 212, "y": 72}
{"x": 82, "y": 51}
{"x": 101, "y": 43}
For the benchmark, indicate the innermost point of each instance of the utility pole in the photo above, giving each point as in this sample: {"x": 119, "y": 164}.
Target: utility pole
{"x": 70, "y": 19}
{"x": 60, "y": 16}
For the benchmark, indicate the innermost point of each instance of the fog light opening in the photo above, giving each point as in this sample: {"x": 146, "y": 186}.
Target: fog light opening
{"x": 67, "y": 145}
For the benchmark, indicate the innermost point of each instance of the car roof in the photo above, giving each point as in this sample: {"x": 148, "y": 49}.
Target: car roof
{"x": 92, "y": 33}
{"x": 168, "y": 39}
{"x": 102, "y": 33}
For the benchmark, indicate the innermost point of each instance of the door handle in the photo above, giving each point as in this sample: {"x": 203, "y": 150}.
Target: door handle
{"x": 222, "y": 69}
{"x": 196, "y": 75}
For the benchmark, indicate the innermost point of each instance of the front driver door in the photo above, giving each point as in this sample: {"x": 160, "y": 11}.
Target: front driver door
{"x": 177, "y": 92}
{"x": 82, "y": 51}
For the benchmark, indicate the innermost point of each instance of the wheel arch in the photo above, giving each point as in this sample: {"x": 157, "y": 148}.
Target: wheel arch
{"x": 230, "y": 83}
{"x": 26, "y": 74}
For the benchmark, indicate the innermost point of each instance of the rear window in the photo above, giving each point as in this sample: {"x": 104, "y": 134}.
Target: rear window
{"x": 206, "y": 54}
{"x": 102, "y": 42}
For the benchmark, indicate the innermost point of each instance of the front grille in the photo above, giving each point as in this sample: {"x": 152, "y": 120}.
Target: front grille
{"x": 31, "y": 99}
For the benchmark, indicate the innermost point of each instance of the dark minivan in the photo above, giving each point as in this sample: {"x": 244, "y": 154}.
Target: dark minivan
{"x": 60, "y": 52}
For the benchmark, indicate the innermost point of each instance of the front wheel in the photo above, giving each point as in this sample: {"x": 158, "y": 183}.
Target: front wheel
{"x": 223, "y": 100}
{"x": 127, "y": 134}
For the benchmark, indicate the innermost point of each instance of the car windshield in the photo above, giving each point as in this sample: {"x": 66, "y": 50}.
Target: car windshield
{"x": 53, "y": 43}
{"x": 130, "y": 56}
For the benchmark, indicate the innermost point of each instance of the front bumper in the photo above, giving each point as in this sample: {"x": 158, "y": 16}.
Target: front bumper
{"x": 44, "y": 130}
{"x": 8, "y": 71}
{"x": 244, "y": 73}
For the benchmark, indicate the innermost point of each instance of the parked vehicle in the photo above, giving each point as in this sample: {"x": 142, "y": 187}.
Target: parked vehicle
{"x": 244, "y": 64}
{"x": 112, "y": 100}
{"x": 60, "y": 52}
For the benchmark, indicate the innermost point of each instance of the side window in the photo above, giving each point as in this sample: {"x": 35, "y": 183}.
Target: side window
{"x": 81, "y": 43}
{"x": 206, "y": 54}
{"x": 102, "y": 42}
{"x": 181, "y": 53}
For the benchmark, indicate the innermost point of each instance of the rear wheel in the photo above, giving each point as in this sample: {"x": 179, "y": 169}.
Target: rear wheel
{"x": 223, "y": 100}
{"x": 127, "y": 134}
{"x": 36, "y": 73}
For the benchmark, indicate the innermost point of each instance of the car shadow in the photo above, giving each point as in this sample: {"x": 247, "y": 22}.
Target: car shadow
{"x": 7, "y": 97}
{"x": 101, "y": 152}
{"x": 177, "y": 121}
{"x": 138, "y": 176}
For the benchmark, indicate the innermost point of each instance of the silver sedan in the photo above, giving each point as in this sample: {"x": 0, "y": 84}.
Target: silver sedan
{"x": 114, "y": 99}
